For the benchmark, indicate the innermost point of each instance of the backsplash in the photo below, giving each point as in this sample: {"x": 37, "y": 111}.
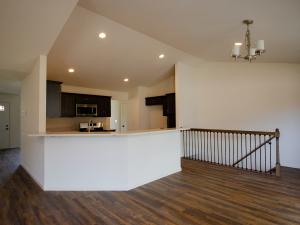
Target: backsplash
{"x": 72, "y": 124}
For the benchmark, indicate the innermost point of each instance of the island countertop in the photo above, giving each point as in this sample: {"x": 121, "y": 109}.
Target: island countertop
{"x": 100, "y": 134}
{"x": 103, "y": 161}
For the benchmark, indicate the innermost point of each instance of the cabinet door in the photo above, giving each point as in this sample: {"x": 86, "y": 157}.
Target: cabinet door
{"x": 68, "y": 105}
{"x": 53, "y": 99}
{"x": 171, "y": 121}
{"x": 169, "y": 104}
{"x": 86, "y": 99}
{"x": 104, "y": 106}
{"x": 157, "y": 100}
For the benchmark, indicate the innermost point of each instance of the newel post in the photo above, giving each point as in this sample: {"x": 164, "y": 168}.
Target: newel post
{"x": 277, "y": 135}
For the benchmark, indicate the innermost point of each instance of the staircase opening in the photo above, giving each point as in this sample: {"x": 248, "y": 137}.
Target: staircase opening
{"x": 256, "y": 151}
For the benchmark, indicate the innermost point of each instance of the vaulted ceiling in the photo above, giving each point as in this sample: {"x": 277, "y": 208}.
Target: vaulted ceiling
{"x": 27, "y": 29}
{"x": 104, "y": 63}
{"x": 208, "y": 28}
{"x": 137, "y": 32}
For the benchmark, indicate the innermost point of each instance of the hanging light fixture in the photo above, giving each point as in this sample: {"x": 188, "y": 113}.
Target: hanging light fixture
{"x": 251, "y": 53}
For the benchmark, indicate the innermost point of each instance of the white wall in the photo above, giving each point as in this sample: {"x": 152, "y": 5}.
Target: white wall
{"x": 143, "y": 117}
{"x": 33, "y": 120}
{"x": 110, "y": 162}
{"x": 14, "y": 118}
{"x": 256, "y": 96}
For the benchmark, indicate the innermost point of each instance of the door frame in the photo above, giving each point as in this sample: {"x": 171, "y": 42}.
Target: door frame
{"x": 9, "y": 122}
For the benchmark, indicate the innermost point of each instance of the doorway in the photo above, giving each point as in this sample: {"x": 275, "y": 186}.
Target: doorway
{"x": 4, "y": 125}
{"x": 118, "y": 119}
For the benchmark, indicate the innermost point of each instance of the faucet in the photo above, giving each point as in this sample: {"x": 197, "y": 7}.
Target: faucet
{"x": 90, "y": 125}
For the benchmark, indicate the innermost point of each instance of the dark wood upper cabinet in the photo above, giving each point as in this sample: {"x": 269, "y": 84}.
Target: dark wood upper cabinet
{"x": 86, "y": 99}
{"x": 53, "y": 103}
{"x": 104, "y": 106}
{"x": 69, "y": 101}
{"x": 171, "y": 121}
{"x": 157, "y": 100}
{"x": 68, "y": 105}
{"x": 168, "y": 103}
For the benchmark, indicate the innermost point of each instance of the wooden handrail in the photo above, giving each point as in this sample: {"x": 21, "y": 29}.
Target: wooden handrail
{"x": 236, "y": 131}
{"x": 254, "y": 150}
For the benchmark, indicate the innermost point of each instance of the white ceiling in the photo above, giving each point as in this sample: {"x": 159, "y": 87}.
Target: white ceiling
{"x": 10, "y": 82}
{"x": 104, "y": 63}
{"x": 208, "y": 28}
{"x": 202, "y": 28}
{"x": 27, "y": 29}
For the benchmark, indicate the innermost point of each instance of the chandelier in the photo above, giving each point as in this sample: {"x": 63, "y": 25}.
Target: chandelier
{"x": 251, "y": 53}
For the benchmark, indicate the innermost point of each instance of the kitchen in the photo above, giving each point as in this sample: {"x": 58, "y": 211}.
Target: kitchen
{"x": 90, "y": 156}
{"x": 94, "y": 116}
{"x": 72, "y": 108}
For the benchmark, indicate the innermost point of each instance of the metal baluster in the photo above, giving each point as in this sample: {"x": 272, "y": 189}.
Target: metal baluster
{"x": 270, "y": 144}
{"x": 233, "y": 148}
{"x": 207, "y": 147}
{"x": 225, "y": 149}
{"x": 201, "y": 146}
{"x": 183, "y": 143}
{"x": 193, "y": 145}
{"x": 265, "y": 153}
{"x": 218, "y": 148}
{"x": 204, "y": 138}
{"x": 260, "y": 154}
{"x": 189, "y": 141}
{"x": 251, "y": 150}
{"x": 198, "y": 149}
{"x": 242, "y": 150}
{"x": 229, "y": 147}
{"x": 237, "y": 148}
{"x": 198, "y": 138}
{"x": 215, "y": 147}
{"x": 222, "y": 148}
{"x": 246, "y": 151}
{"x": 210, "y": 147}
{"x": 255, "y": 152}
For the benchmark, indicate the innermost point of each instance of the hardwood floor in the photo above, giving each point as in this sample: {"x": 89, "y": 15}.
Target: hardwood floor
{"x": 200, "y": 194}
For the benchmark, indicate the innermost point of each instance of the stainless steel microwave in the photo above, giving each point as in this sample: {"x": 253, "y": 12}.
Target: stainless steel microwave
{"x": 86, "y": 110}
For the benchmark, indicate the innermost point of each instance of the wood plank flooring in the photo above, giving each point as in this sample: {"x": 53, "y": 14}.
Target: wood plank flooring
{"x": 200, "y": 194}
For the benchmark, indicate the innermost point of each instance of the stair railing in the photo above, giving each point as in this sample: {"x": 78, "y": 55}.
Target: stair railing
{"x": 249, "y": 150}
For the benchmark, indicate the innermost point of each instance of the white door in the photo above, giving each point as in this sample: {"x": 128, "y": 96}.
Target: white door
{"x": 115, "y": 115}
{"x": 4, "y": 125}
{"x": 123, "y": 117}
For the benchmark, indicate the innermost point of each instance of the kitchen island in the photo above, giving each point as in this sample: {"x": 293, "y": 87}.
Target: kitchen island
{"x": 76, "y": 161}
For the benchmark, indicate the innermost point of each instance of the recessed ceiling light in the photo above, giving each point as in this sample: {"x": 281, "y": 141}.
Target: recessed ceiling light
{"x": 126, "y": 80}
{"x": 102, "y": 35}
{"x": 238, "y": 43}
{"x": 161, "y": 56}
{"x": 71, "y": 70}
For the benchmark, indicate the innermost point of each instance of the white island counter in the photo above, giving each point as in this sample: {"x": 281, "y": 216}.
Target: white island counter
{"x": 107, "y": 161}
